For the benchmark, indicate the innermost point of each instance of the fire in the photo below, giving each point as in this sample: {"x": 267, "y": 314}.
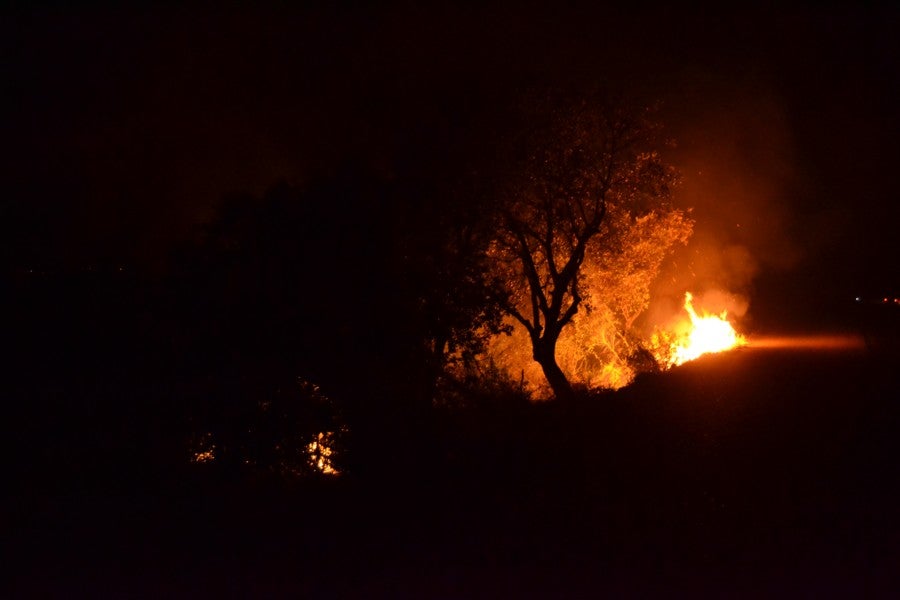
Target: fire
{"x": 319, "y": 453}
{"x": 203, "y": 450}
{"x": 708, "y": 333}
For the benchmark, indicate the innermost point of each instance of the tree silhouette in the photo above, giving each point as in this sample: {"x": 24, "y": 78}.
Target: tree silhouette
{"x": 364, "y": 286}
{"x": 576, "y": 162}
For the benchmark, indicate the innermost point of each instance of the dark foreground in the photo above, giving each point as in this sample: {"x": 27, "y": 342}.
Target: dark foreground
{"x": 760, "y": 473}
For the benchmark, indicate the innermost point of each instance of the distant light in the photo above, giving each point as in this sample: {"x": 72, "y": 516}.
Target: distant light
{"x": 858, "y": 299}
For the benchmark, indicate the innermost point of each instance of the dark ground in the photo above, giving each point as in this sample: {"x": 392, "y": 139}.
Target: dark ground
{"x": 758, "y": 473}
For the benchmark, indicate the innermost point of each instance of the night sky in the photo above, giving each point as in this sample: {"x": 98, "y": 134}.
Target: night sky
{"x": 123, "y": 129}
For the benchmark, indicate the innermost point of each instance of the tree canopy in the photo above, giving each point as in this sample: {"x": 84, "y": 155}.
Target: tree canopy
{"x": 587, "y": 194}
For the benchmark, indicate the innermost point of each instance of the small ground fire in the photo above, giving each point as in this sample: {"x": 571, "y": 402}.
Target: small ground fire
{"x": 707, "y": 334}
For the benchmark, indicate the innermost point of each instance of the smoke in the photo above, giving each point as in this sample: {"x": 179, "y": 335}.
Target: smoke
{"x": 733, "y": 145}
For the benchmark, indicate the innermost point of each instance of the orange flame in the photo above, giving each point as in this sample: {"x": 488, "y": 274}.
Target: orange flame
{"x": 708, "y": 333}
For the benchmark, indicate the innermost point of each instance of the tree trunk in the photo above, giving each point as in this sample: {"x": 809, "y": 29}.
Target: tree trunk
{"x": 545, "y": 355}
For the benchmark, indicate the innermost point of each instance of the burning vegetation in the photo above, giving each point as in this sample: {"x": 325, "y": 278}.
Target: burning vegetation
{"x": 704, "y": 334}
{"x": 530, "y": 279}
{"x": 583, "y": 232}
{"x": 279, "y": 433}
{"x": 597, "y": 352}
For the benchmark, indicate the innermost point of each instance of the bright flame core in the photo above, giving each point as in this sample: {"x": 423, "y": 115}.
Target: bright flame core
{"x": 709, "y": 333}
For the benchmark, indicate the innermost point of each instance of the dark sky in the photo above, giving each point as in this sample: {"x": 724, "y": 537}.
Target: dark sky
{"x": 123, "y": 128}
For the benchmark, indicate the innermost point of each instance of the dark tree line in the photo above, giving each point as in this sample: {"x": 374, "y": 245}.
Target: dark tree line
{"x": 363, "y": 287}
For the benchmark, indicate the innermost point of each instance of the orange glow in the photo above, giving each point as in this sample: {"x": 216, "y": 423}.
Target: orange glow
{"x": 319, "y": 452}
{"x": 203, "y": 450}
{"x": 810, "y": 342}
{"x": 707, "y": 334}
{"x": 205, "y": 456}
